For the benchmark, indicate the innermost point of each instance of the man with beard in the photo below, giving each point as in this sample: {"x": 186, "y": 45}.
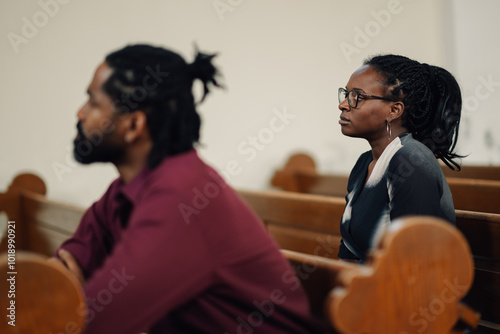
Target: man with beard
{"x": 170, "y": 247}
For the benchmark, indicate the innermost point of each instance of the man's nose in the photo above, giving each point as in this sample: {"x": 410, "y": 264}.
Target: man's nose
{"x": 81, "y": 112}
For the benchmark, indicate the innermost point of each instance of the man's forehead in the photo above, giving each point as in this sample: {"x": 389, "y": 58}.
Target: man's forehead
{"x": 101, "y": 75}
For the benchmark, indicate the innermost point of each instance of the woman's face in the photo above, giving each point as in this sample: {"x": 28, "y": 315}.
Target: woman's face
{"x": 368, "y": 119}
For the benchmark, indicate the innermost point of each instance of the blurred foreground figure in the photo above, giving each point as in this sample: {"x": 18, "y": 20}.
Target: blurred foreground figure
{"x": 170, "y": 247}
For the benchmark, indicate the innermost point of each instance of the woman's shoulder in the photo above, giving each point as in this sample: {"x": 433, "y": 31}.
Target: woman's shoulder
{"x": 415, "y": 149}
{"x": 414, "y": 156}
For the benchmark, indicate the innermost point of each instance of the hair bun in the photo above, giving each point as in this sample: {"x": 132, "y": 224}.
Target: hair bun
{"x": 203, "y": 69}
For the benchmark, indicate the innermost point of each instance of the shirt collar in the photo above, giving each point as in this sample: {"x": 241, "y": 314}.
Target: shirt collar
{"x": 132, "y": 190}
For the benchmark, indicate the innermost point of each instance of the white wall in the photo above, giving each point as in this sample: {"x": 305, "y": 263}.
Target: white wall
{"x": 477, "y": 54}
{"x": 276, "y": 56}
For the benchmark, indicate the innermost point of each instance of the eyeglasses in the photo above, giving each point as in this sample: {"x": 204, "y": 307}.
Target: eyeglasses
{"x": 353, "y": 97}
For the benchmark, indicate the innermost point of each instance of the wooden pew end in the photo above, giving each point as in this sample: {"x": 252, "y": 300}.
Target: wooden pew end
{"x": 42, "y": 296}
{"x": 412, "y": 282}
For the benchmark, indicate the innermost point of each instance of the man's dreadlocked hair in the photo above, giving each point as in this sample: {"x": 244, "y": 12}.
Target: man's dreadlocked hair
{"x": 432, "y": 100}
{"x": 159, "y": 82}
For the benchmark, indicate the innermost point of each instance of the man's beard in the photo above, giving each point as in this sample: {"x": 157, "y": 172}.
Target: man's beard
{"x": 98, "y": 148}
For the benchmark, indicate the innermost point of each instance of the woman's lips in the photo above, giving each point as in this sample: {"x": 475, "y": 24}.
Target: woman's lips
{"x": 343, "y": 120}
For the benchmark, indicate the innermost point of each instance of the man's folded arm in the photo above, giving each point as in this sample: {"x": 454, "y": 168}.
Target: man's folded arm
{"x": 160, "y": 263}
{"x": 88, "y": 243}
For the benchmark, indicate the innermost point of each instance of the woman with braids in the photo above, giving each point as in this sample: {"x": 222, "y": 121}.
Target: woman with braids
{"x": 170, "y": 247}
{"x": 409, "y": 113}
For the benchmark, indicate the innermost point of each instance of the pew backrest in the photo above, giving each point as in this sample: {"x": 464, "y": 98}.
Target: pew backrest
{"x": 482, "y": 231}
{"x": 42, "y": 224}
{"x": 468, "y": 194}
{"x": 474, "y": 172}
{"x": 475, "y": 194}
{"x": 300, "y": 175}
{"x": 300, "y": 222}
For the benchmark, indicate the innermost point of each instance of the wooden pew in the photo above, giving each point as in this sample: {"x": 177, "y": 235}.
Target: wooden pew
{"x": 298, "y": 222}
{"x": 475, "y": 194}
{"x": 341, "y": 293}
{"x": 302, "y": 162}
{"x": 338, "y": 286}
{"x": 299, "y": 175}
{"x": 474, "y": 172}
{"x": 402, "y": 277}
{"x": 310, "y": 224}
{"x": 482, "y": 231}
{"x": 42, "y": 225}
{"x": 39, "y": 296}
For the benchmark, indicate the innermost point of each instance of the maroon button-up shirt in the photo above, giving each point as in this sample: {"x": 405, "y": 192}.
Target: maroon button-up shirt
{"x": 177, "y": 251}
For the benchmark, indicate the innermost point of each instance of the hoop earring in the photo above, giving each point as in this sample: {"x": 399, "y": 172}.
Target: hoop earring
{"x": 389, "y": 130}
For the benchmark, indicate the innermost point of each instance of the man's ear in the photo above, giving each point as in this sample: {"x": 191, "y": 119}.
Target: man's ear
{"x": 136, "y": 126}
{"x": 397, "y": 110}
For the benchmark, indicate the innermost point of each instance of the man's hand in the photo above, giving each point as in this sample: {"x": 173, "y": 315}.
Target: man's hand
{"x": 68, "y": 261}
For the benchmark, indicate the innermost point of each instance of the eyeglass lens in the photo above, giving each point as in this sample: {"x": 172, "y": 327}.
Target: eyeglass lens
{"x": 352, "y": 97}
